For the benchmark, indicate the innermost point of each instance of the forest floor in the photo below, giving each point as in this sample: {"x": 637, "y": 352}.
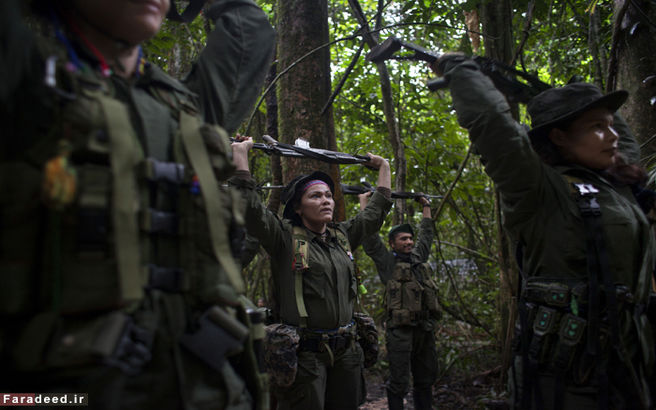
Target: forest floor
{"x": 473, "y": 392}
{"x": 469, "y": 373}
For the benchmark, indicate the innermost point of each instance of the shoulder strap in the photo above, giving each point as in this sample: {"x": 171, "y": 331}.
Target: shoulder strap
{"x": 300, "y": 264}
{"x": 125, "y": 155}
{"x": 200, "y": 161}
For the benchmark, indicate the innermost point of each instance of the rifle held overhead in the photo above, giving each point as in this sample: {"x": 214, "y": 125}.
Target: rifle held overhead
{"x": 503, "y": 76}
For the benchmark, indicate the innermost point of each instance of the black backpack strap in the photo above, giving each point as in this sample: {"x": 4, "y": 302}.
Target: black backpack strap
{"x": 598, "y": 268}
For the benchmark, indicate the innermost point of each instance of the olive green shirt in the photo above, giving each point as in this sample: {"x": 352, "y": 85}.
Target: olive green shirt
{"x": 329, "y": 285}
{"x": 539, "y": 209}
{"x": 385, "y": 260}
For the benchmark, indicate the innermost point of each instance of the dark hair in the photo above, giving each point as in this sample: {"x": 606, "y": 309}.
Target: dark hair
{"x": 629, "y": 174}
{"x": 621, "y": 171}
{"x": 542, "y": 145}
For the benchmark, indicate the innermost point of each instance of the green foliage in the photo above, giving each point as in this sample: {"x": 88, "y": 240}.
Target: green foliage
{"x": 556, "y": 48}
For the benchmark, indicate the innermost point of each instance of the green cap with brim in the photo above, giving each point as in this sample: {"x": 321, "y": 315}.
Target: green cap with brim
{"x": 558, "y": 105}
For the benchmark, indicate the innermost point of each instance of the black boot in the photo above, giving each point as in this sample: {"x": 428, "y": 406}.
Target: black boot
{"x": 423, "y": 399}
{"x": 394, "y": 401}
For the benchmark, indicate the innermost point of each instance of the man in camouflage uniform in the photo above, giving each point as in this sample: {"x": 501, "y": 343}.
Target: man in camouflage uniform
{"x": 116, "y": 241}
{"x": 411, "y": 304}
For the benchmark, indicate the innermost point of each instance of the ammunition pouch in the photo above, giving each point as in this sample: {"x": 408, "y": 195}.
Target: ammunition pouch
{"x": 558, "y": 331}
{"x": 411, "y": 295}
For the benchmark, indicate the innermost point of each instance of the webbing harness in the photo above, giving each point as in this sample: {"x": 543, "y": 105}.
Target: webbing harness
{"x": 300, "y": 264}
{"x": 571, "y": 329}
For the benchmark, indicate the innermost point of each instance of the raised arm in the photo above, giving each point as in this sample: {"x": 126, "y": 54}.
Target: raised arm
{"x": 261, "y": 223}
{"x": 368, "y": 221}
{"x": 374, "y": 247}
{"x": 425, "y": 236}
{"x": 230, "y": 72}
{"x": 511, "y": 162}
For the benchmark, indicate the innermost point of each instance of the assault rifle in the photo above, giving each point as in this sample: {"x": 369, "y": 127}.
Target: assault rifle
{"x": 302, "y": 149}
{"x": 363, "y": 189}
{"x": 367, "y": 187}
{"x": 502, "y": 75}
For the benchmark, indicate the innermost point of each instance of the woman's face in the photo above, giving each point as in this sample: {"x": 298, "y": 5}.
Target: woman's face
{"x": 133, "y": 21}
{"x": 316, "y": 206}
{"x": 590, "y": 140}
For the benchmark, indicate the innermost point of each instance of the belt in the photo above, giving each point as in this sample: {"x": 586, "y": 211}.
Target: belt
{"x": 318, "y": 344}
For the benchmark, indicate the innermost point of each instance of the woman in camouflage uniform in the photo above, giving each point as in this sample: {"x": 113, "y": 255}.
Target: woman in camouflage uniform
{"x": 587, "y": 246}
{"x": 314, "y": 280}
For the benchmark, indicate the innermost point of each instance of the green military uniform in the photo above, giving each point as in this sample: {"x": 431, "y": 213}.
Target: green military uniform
{"x": 329, "y": 374}
{"x": 411, "y": 345}
{"x": 541, "y": 212}
{"x": 119, "y": 278}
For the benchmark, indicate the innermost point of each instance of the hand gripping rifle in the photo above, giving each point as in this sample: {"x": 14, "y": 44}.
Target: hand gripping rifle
{"x": 302, "y": 149}
{"x": 502, "y": 75}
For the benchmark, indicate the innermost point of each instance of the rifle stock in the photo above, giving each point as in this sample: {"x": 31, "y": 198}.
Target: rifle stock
{"x": 503, "y": 76}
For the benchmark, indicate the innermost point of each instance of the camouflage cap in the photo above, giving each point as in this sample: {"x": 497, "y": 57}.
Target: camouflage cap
{"x": 396, "y": 229}
{"x": 557, "y": 105}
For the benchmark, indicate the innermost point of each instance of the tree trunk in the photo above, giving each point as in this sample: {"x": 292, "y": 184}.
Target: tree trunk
{"x": 302, "y": 27}
{"x": 496, "y": 18}
{"x": 632, "y": 65}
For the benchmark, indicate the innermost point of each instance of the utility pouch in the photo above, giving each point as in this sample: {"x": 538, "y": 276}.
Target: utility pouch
{"x": 394, "y": 296}
{"x": 400, "y": 317}
{"x": 412, "y": 296}
{"x": 367, "y": 335}
{"x": 217, "y": 336}
{"x": 280, "y": 354}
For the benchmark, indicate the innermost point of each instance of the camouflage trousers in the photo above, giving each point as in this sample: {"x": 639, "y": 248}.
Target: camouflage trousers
{"x": 411, "y": 349}
{"x": 320, "y": 384}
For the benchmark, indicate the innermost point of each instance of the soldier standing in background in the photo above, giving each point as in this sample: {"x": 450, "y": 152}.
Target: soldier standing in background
{"x": 411, "y": 305}
{"x": 117, "y": 243}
